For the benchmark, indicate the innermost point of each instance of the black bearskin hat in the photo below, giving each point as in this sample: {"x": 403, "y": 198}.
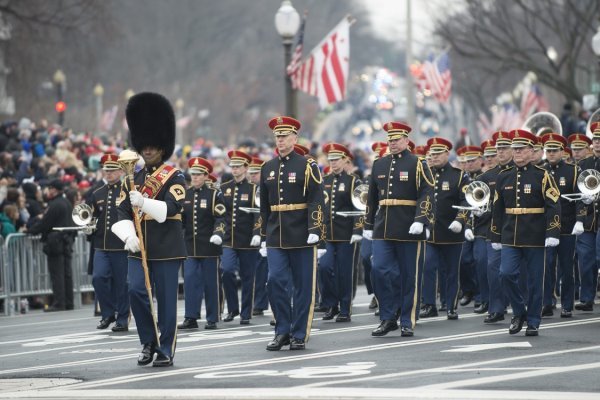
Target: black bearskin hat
{"x": 151, "y": 122}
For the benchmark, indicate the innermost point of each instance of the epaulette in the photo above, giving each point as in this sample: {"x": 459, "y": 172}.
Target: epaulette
{"x": 506, "y": 169}
{"x": 225, "y": 183}
{"x": 95, "y": 190}
{"x": 542, "y": 168}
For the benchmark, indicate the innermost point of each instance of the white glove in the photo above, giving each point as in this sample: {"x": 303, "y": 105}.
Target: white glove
{"x": 427, "y": 233}
{"x": 416, "y": 228}
{"x": 588, "y": 198}
{"x": 88, "y": 230}
{"x": 368, "y": 234}
{"x": 478, "y": 213}
{"x": 469, "y": 235}
{"x": 455, "y": 227}
{"x": 132, "y": 244}
{"x": 136, "y": 199}
{"x": 255, "y": 242}
{"x": 578, "y": 228}
{"x": 312, "y": 239}
{"x": 216, "y": 239}
{"x": 355, "y": 238}
{"x": 263, "y": 249}
{"x": 320, "y": 253}
{"x": 497, "y": 246}
{"x": 552, "y": 242}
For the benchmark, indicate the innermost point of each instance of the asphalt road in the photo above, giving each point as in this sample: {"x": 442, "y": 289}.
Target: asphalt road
{"x": 62, "y": 355}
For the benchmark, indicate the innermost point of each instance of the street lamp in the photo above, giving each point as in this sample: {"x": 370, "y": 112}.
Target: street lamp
{"x": 60, "y": 80}
{"x": 287, "y": 22}
{"x": 179, "y": 103}
{"x": 98, "y": 92}
{"x": 128, "y": 94}
{"x": 596, "y": 50}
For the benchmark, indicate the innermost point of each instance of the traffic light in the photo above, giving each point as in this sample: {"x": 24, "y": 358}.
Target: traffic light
{"x": 60, "y": 108}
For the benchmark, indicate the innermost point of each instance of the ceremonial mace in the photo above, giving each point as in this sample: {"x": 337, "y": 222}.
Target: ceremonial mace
{"x": 128, "y": 159}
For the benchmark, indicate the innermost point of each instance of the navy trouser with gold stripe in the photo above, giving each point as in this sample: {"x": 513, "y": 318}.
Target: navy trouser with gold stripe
{"x": 559, "y": 267}
{"x": 244, "y": 261}
{"x": 337, "y": 266}
{"x": 392, "y": 258}
{"x": 201, "y": 280}
{"x": 297, "y": 267}
{"x": 512, "y": 261}
{"x": 110, "y": 284}
{"x": 164, "y": 277}
{"x": 444, "y": 258}
{"x": 588, "y": 252}
{"x": 261, "y": 300}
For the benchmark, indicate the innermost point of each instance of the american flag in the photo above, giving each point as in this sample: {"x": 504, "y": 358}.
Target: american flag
{"x": 532, "y": 101}
{"x": 506, "y": 117}
{"x": 325, "y": 72}
{"x": 293, "y": 70}
{"x": 438, "y": 77}
{"x": 108, "y": 119}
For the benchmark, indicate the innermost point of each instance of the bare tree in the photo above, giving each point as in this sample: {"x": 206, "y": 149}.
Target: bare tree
{"x": 495, "y": 42}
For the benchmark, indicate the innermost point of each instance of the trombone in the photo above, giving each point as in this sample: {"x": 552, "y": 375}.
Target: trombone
{"x": 82, "y": 216}
{"x": 359, "y": 201}
{"x": 588, "y": 184}
{"x": 478, "y": 197}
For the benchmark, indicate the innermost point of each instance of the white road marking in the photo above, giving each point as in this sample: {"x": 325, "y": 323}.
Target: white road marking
{"x": 469, "y": 348}
{"x": 294, "y": 359}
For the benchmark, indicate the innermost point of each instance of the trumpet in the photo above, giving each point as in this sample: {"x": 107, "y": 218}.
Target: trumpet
{"x": 82, "y": 216}
{"x": 588, "y": 184}
{"x": 359, "y": 201}
{"x": 478, "y": 197}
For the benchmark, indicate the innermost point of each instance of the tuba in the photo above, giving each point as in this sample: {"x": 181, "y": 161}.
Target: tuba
{"x": 543, "y": 122}
{"x": 588, "y": 184}
{"x": 82, "y": 217}
{"x": 478, "y": 197}
{"x": 595, "y": 117}
{"x": 359, "y": 201}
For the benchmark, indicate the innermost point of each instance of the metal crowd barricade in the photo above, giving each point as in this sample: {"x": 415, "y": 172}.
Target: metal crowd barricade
{"x": 25, "y": 270}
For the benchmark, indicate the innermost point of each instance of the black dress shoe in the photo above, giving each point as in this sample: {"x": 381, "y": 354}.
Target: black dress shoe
{"x": 147, "y": 354}
{"x": 443, "y": 307}
{"x": 278, "y": 342}
{"x": 373, "y": 304}
{"x": 494, "y": 317}
{"x": 516, "y": 324}
{"x": 343, "y": 318}
{"x": 452, "y": 315}
{"x": 272, "y": 322}
{"x": 385, "y": 327}
{"x": 547, "y": 311}
{"x": 244, "y": 321}
{"x": 587, "y": 306}
{"x": 188, "y": 323}
{"x": 162, "y": 361}
{"x": 565, "y": 314}
{"x": 297, "y": 344}
{"x": 230, "y": 316}
{"x": 406, "y": 331}
{"x": 105, "y": 323}
{"x": 482, "y": 309}
{"x": 531, "y": 331}
{"x": 210, "y": 325}
{"x": 118, "y": 327}
{"x": 428, "y": 311}
{"x": 466, "y": 299}
{"x": 257, "y": 311}
{"x": 331, "y": 313}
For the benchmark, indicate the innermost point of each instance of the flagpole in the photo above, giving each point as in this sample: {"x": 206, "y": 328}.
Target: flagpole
{"x": 410, "y": 94}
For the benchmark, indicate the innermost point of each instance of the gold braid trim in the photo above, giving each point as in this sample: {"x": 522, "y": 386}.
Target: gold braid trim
{"x": 360, "y": 223}
{"x": 317, "y": 217}
{"x": 555, "y": 224}
{"x": 421, "y": 170}
{"x": 220, "y": 228}
{"x": 426, "y": 207}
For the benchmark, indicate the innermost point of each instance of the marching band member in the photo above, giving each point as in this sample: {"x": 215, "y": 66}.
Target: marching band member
{"x": 445, "y": 243}
{"x": 341, "y": 236}
{"x": 490, "y": 155}
{"x": 560, "y": 258}
{"x": 580, "y": 145}
{"x": 241, "y": 239}
{"x": 526, "y": 218}
{"x": 110, "y": 260}
{"x": 203, "y": 212}
{"x": 159, "y": 195}
{"x": 400, "y": 195}
{"x": 291, "y": 204}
